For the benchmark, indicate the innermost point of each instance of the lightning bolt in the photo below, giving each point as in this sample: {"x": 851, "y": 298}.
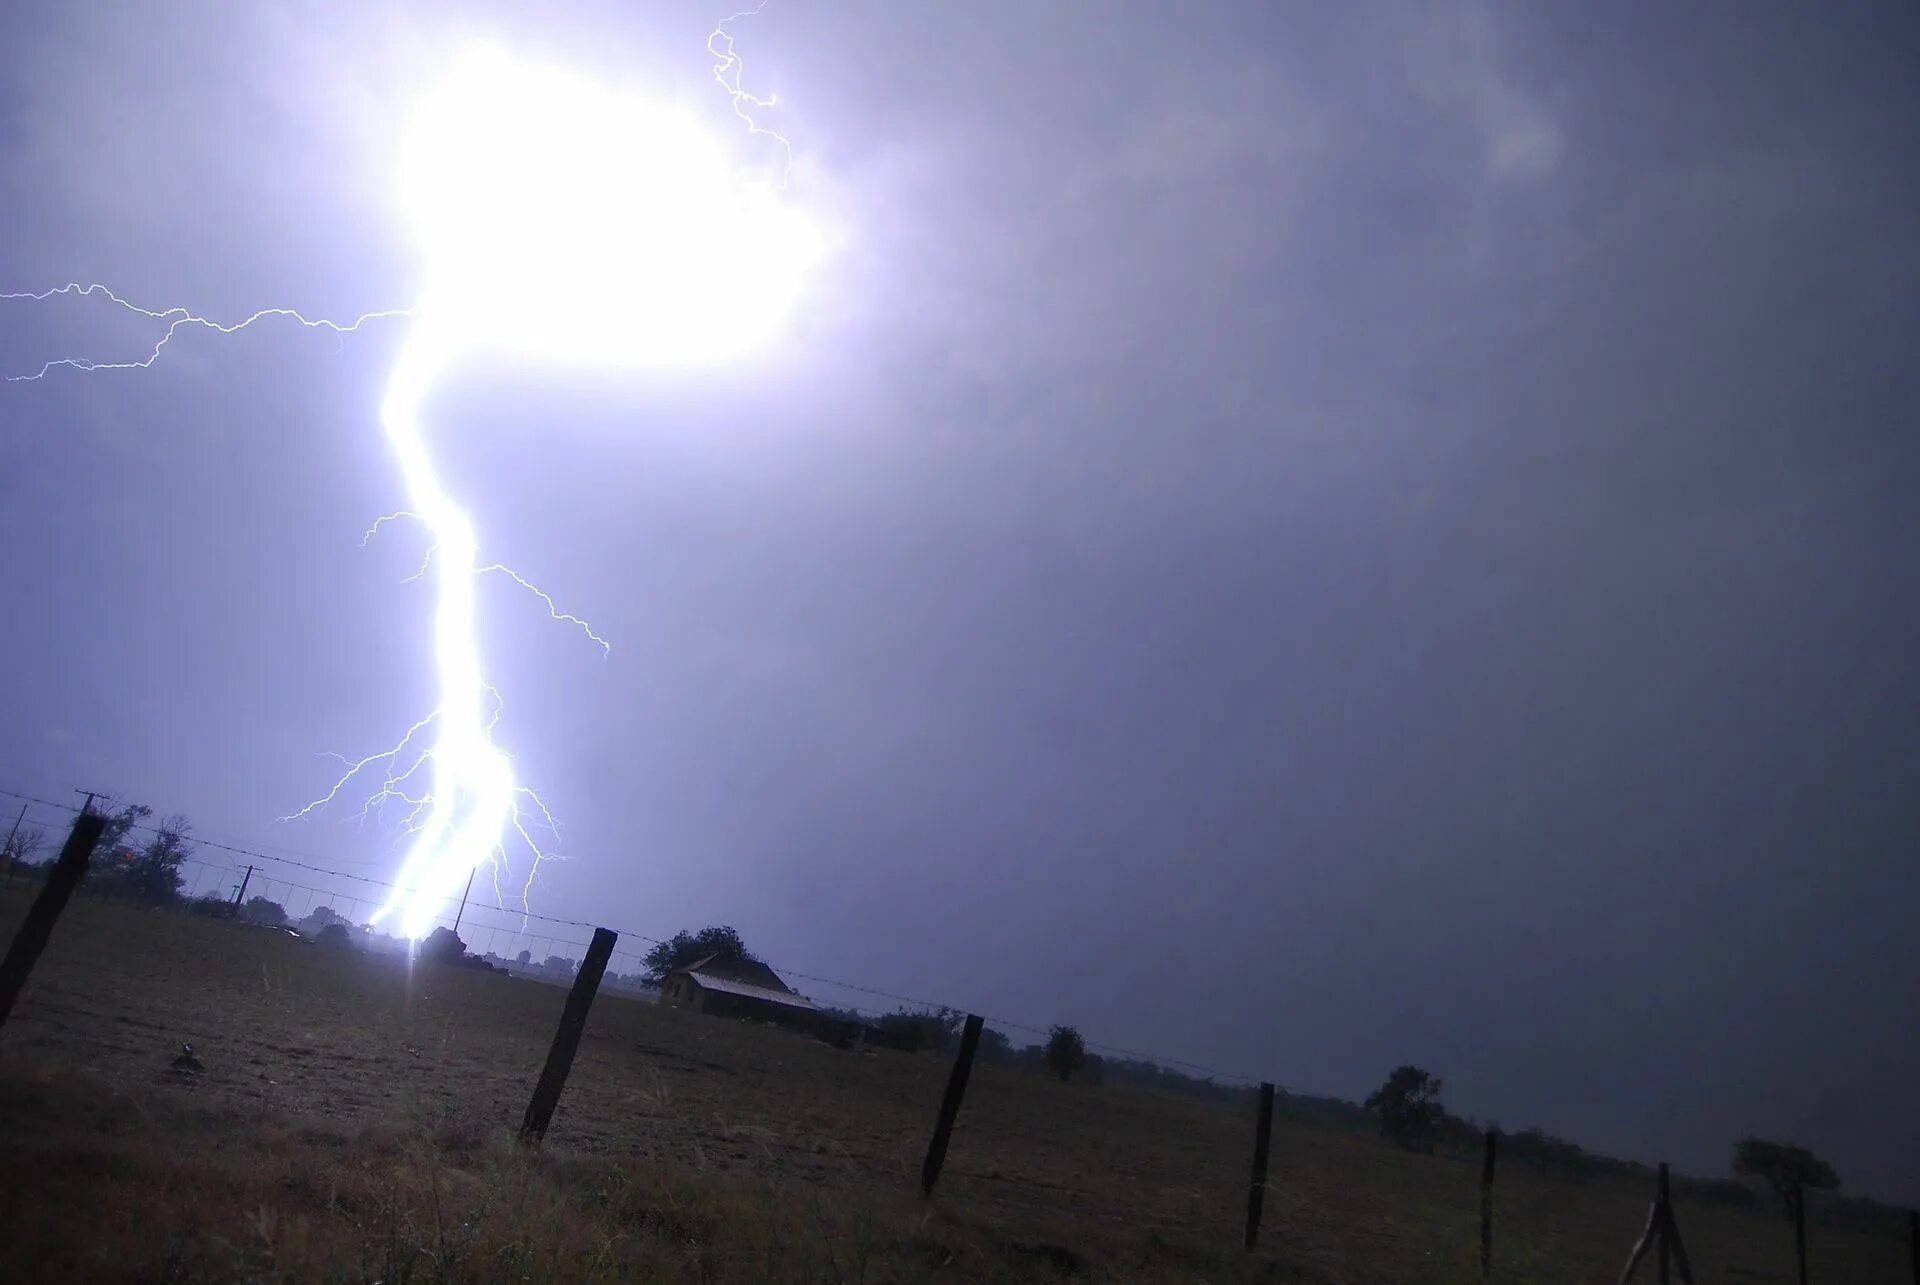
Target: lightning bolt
{"x": 728, "y": 72}
{"x": 471, "y": 800}
{"x": 464, "y": 804}
{"x": 176, "y": 318}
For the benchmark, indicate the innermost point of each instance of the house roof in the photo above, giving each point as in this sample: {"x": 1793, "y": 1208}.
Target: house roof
{"x": 751, "y": 972}
{"x": 726, "y": 985}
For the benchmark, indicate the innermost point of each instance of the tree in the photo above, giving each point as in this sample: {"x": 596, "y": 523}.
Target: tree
{"x": 22, "y": 843}
{"x": 336, "y": 935}
{"x": 1066, "y": 1052}
{"x": 933, "y": 1031}
{"x": 443, "y": 946}
{"x": 320, "y": 918}
{"x": 259, "y": 910}
{"x": 690, "y": 948}
{"x": 524, "y": 958}
{"x": 1790, "y": 1170}
{"x": 150, "y": 873}
{"x": 995, "y": 1048}
{"x": 1408, "y": 1106}
{"x": 113, "y": 835}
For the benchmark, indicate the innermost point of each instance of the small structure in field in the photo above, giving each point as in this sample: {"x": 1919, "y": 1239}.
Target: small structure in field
{"x": 751, "y": 991}
{"x": 738, "y": 988}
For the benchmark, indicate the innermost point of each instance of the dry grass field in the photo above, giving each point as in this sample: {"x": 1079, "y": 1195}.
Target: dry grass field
{"x": 355, "y": 1122}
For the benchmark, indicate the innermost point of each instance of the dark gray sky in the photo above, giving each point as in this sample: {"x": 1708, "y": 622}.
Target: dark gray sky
{"x": 1298, "y": 536}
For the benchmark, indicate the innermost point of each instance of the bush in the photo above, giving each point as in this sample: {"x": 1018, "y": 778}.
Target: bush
{"x": 443, "y": 946}
{"x": 259, "y": 910}
{"x": 931, "y": 1030}
{"x": 1066, "y": 1052}
{"x": 337, "y": 936}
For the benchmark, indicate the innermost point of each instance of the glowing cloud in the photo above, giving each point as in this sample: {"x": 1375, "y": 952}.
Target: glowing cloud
{"x": 560, "y": 221}
{"x": 574, "y": 223}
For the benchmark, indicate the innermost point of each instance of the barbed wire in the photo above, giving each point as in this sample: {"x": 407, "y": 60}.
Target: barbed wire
{"x": 528, "y": 916}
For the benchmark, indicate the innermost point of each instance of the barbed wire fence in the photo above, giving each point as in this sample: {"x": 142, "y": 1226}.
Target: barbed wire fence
{"x": 502, "y": 932}
{"x": 233, "y": 875}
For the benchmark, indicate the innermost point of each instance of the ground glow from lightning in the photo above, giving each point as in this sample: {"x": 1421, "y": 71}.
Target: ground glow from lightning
{"x": 561, "y": 222}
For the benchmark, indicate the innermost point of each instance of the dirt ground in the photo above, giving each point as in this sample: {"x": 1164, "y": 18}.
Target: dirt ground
{"x": 308, "y": 1047}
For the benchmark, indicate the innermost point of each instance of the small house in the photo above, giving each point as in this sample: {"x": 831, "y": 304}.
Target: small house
{"x": 740, "y": 989}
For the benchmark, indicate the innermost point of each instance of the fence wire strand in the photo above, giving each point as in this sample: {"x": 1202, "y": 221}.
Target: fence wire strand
{"x": 255, "y": 857}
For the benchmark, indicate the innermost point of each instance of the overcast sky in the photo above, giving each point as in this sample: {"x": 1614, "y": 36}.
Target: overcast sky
{"x": 1298, "y": 536}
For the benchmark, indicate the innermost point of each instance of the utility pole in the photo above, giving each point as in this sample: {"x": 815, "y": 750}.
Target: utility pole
{"x": 12, "y": 859}
{"x": 243, "y": 886}
{"x": 91, "y": 796}
{"x": 463, "y": 901}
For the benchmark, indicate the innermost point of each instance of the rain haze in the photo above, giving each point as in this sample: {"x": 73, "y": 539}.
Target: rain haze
{"x": 1294, "y": 537}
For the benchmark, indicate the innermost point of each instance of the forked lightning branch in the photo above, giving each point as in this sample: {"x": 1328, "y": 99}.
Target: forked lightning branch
{"x": 561, "y": 222}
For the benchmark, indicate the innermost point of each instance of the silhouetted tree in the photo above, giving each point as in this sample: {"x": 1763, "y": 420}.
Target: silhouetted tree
{"x": 259, "y": 910}
{"x": 995, "y": 1048}
{"x": 113, "y": 835}
{"x": 149, "y": 873}
{"x": 689, "y": 948}
{"x": 524, "y": 957}
{"x": 22, "y": 844}
{"x": 1408, "y": 1106}
{"x": 336, "y": 935}
{"x": 933, "y": 1030}
{"x": 443, "y": 946}
{"x": 1790, "y": 1170}
{"x": 1066, "y": 1051}
{"x": 319, "y": 918}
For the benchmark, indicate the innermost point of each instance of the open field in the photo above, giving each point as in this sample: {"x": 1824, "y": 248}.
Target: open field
{"x": 355, "y": 1122}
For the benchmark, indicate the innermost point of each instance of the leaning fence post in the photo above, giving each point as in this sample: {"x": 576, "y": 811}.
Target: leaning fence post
{"x": 1665, "y": 1203}
{"x": 1663, "y": 1232}
{"x": 37, "y": 927}
{"x": 1257, "y": 1186}
{"x": 950, "y": 1106}
{"x": 1486, "y": 1210}
{"x": 566, "y": 1040}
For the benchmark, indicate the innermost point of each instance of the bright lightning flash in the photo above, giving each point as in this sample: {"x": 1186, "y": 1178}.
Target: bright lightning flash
{"x": 563, "y": 222}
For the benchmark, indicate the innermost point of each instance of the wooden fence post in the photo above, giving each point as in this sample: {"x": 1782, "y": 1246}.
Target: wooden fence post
{"x": 950, "y": 1106}
{"x": 566, "y": 1040}
{"x": 1913, "y": 1241}
{"x": 1257, "y": 1187}
{"x": 1662, "y": 1232}
{"x": 37, "y": 927}
{"x": 1672, "y": 1236}
{"x": 1800, "y": 1231}
{"x": 1486, "y": 1210}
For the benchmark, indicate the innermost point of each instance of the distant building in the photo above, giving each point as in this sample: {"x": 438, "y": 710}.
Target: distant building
{"x": 754, "y": 992}
{"x": 737, "y": 988}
